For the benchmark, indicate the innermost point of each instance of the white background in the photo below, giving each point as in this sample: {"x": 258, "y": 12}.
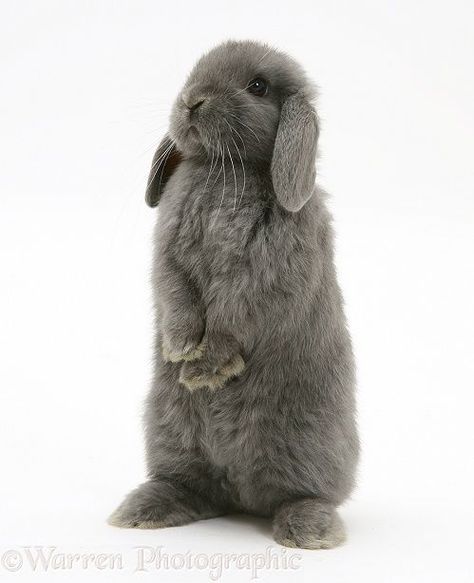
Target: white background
{"x": 86, "y": 90}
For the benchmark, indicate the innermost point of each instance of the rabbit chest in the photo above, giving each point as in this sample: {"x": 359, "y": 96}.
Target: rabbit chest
{"x": 210, "y": 225}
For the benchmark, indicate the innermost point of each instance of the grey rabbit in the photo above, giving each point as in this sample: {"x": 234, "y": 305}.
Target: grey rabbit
{"x": 252, "y": 407}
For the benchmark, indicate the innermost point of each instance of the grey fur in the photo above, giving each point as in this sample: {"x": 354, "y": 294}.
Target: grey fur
{"x": 252, "y": 403}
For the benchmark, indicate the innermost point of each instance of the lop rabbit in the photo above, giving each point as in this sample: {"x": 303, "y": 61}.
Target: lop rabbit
{"x": 252, "y": 404}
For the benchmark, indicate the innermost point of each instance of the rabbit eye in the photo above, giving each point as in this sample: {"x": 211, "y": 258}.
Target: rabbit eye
{"x": 258, "y": 87}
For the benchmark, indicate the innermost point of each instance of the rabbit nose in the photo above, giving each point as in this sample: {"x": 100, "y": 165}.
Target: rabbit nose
{"x": 196, "y": 105}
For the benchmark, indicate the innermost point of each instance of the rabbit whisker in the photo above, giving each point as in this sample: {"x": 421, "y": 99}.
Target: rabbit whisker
{"x": 237, "y": 92}
{"x": 217, "y": 160}
{"x": 245, "y": 126}
{"x": 264, "y": 56}
{"x": 243, "y": 171}
{"x": 211, "y": 169}
{"x": 163, "y": 156}
{"x": 166, "y": 160}
{"x": 235, "y": 177}
{"x": 240, "y": 138}
{"x": 232, "y": 129}
{"x": 223, "y": 188}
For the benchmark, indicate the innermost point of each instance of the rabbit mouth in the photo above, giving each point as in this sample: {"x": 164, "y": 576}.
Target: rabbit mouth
{"x": 193, "y": 133}
{"x": 193, "y": 137}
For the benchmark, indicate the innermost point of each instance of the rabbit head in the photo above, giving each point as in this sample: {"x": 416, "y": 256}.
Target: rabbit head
{"x": 247, "y": 99}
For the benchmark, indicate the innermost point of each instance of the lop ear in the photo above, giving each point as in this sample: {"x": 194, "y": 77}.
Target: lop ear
{"x": 294, "y": 155}
{"x": 165, "y": 162}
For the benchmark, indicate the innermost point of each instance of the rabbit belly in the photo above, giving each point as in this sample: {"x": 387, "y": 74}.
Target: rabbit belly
{"x": 274, "y": 441}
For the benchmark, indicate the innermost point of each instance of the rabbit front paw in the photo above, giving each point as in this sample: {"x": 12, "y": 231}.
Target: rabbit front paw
{"x": 205, "y": 373}
{"x": 182, "y": 340}
{"x": 186, "y": 352}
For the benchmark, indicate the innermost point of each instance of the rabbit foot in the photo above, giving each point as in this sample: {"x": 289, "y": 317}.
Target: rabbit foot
{"x": 201, "y": 374}
{"x": 308, "y": 524}
{"x": 160, "y": 505}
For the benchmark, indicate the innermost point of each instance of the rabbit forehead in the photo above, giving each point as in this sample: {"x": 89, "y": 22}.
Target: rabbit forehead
{"x": 240, "y": 61}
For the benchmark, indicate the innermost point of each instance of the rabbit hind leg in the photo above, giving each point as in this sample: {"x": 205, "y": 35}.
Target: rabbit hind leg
{"x": 161, "y": 504}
